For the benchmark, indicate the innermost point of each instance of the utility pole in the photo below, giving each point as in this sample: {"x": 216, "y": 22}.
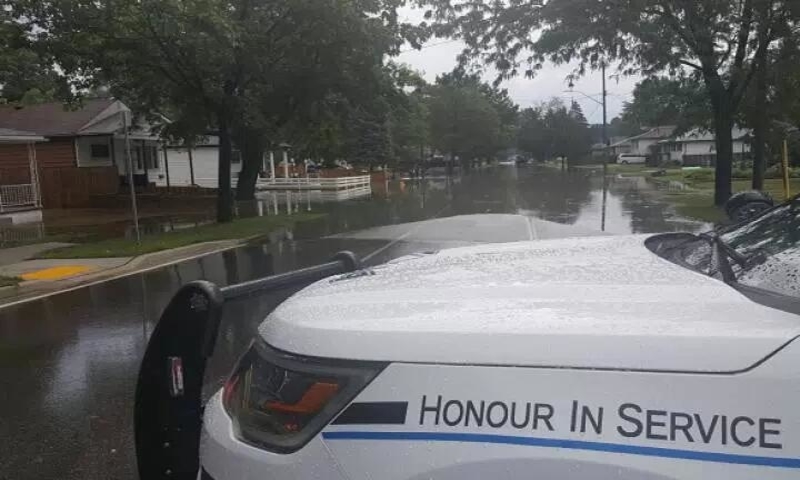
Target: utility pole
{"x": 606, "y": 141}
{"x": 126, "y": 121}
{"x": 785, "y": 160}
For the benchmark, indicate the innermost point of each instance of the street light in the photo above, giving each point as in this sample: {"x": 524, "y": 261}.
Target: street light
{"x": 603, "y": 103}
{"x": 606, "y": 141}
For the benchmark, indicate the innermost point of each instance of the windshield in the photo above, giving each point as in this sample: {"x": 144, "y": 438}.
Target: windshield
{"x": 771, "y": 246}
{"x": 763, "y": 253}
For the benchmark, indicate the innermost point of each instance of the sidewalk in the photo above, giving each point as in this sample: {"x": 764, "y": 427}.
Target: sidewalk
{"x": 9, "y": 256}
{"x": 41, "y": 278}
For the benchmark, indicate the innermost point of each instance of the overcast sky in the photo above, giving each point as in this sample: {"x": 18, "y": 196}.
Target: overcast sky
{"x": 439, "y": 56}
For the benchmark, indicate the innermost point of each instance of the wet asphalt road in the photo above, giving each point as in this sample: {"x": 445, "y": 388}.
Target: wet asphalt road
{"x": 68, "y": 363}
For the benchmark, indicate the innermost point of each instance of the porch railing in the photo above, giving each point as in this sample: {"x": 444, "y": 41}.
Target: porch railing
{"x": 18, "y": 196}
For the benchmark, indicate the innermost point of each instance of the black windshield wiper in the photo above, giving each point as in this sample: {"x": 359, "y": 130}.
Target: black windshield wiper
{"x": 725, "y": 252}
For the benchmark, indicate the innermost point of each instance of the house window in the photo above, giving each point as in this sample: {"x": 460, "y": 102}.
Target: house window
{"x": 151, "y": 158}
{"x": 236, "y": 156}
{"x": 712, "y": 148}
{"x": 100, "y": 151}
{"x": 138, "y": 158}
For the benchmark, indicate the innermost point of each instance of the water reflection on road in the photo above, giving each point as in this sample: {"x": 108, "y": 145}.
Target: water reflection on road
{"x": 68, "y": 362}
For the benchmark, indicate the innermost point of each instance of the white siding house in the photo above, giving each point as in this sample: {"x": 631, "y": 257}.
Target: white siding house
{"x": 182, "y": 168}
{"x": 698, "y": 148}
{"x": 642, "y": 144}
{"x": 102, "y": 144}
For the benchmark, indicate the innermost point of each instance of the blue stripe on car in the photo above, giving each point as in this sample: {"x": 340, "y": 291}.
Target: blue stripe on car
{"x": 781, "y": 462}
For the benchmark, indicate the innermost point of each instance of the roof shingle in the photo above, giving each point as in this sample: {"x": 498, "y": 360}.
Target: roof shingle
{"x": 52, "y": 119}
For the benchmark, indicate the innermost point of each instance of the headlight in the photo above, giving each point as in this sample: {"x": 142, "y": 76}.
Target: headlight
{"x": 279, "y": 402}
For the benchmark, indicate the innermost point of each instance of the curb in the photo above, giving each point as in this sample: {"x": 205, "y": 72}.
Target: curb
{"x": 39, "y": 289}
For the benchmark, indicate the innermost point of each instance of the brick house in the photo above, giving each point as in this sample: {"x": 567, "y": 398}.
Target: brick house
{"x": 84, "y": 153}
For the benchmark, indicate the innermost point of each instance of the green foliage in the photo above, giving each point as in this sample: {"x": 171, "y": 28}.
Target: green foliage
{"x": 681, "y": 101}
{"x": 776, "y": 171}
{"x": 702, "y": 175}
{"x": 463, "y": 121}
{"x": 551, "y": 130}
{"x": 739, "y": 172}
{"x": 409, "y": 130}
{"x": 27, "y": 74}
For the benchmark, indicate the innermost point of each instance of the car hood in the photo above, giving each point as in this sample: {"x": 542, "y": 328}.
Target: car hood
{"x": 600, "y": 302}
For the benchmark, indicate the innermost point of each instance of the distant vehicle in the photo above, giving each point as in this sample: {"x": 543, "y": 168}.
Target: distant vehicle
{"x": 665, "y": 357}
{"x": 631, "y": 158}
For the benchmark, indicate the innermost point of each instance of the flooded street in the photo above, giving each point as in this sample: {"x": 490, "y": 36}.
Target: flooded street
{"x": 68, "y": 362}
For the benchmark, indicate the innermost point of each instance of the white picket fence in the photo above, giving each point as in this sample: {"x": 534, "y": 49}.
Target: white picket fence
{"x": 309, "y": 183}
{"x": 18, "y": 196}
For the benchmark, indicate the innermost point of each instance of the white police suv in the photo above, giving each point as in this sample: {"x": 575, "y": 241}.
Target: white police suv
{"x": 674, "y": 356}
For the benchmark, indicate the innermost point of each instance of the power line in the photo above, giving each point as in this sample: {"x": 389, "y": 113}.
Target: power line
{"x": 430, "y": 45}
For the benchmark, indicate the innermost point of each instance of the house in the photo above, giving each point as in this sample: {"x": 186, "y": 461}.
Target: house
{"x": 640, "y": 144}
{"x": 85, "y": 149}
{"x": 20, "y": 199}
{"x": 698, "y": 148}
{"x": 196, "y": 165}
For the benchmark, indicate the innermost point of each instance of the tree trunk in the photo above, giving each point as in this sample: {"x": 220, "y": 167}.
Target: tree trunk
{"x": 224, "y": 197}
{"x": 723, "y": 124}
{"x": 252, "y": 149}
{"x": 760, "y": 129}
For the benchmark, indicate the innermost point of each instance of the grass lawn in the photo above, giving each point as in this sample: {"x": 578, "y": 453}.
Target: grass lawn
{"x": 697, "y": 201}
{"x": 630, "y": 170}
{"x": 245, "y": 229}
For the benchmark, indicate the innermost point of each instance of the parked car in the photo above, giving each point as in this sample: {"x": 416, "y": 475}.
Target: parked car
{"x": 631, "y": 158}
{"x": 673, "y": 356}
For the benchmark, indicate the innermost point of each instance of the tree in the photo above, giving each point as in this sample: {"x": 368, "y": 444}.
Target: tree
{"x": 567, "y": 132}
{"x": 619, "y": 127}
{"x": 244, "y": 69}
{"x": 552, "y": 130}
{"x": 409, "y": 130}
{"x": 576, "y": 112}
{"x": 331, "y": 50}
{"x": 141, "y": 50}
{"x": 719, "y": 40}
{"x": 772, "y": 101}
{"x": 532, "y": 135}
{"x": 657, "y": 101}
{"x": 27, "y": 75}
{"x": 377, "y": 123}
{"x": 463, "y": 121}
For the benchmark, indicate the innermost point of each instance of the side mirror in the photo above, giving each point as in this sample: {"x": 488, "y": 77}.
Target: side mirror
{"x": 747, "y": 205}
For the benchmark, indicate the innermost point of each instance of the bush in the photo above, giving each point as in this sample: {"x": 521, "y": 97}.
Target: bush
{"x": 742, "y": 173}
{"x": 776, "y": 171}
{"x": 704, "y": 175}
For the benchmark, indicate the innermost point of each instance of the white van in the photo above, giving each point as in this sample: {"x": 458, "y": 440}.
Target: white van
{"x": 631, "y": 158}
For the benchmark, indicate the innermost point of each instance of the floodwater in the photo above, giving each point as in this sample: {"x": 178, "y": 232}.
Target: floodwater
{"x": 68, "y": 362}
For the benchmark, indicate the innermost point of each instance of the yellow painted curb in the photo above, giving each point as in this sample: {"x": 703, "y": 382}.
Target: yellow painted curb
{"x": 56, "y": 273}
